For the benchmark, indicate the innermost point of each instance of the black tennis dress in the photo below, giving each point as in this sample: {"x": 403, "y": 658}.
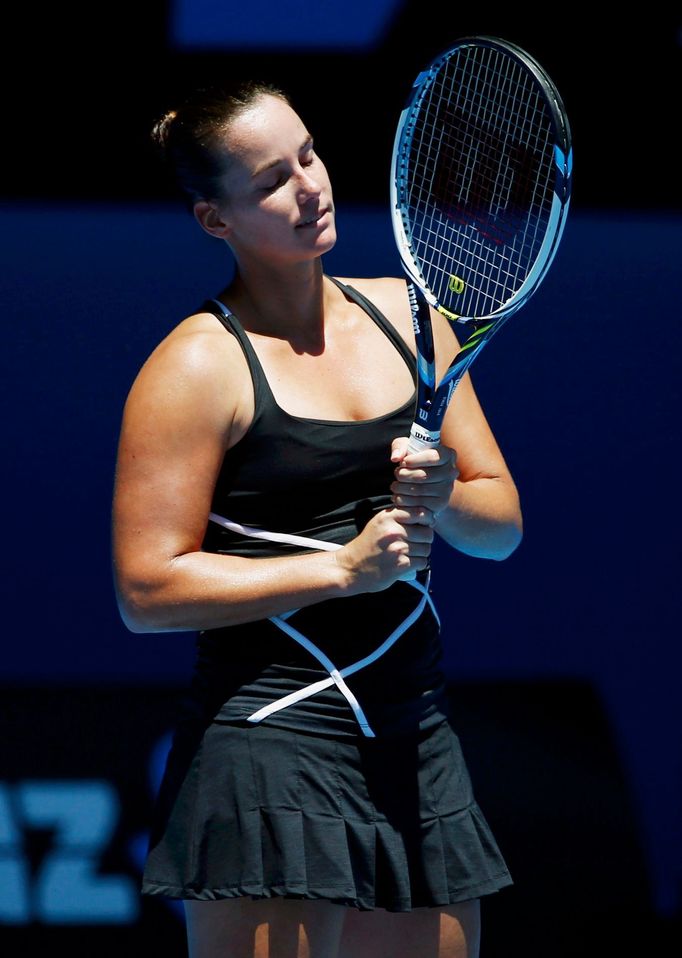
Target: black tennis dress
{"x": 314, "y": 756}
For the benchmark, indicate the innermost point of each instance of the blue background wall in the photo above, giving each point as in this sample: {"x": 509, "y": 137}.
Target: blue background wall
{"x": 582, "y": 389}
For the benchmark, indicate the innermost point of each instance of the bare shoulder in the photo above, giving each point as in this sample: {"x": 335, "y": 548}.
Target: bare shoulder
{"x": 199, "y": 346}
{"x": 389, "y": 295}
{"x": 198, "y": 368}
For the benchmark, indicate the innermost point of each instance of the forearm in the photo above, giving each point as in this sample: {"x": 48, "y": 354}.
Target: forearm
{"x": 201, "y": 590}
{"x": 482, "y": 519}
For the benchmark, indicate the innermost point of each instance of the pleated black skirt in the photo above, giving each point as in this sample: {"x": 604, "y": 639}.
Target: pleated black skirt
{"x": 253, "y": 810}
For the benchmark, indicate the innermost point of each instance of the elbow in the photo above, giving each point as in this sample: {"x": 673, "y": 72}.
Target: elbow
{"x": 135, "y": 620}
{"x": 508, "y": 543}
{"x": 509, "y": 532}
{"x": 497, "y": 546}
{"x": 495, "y": 539}
{"x": 136, "y": 614}
{"x": 141, "y": 606}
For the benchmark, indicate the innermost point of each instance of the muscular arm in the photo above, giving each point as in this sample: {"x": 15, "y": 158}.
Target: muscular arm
{"x": 180, "y": 417}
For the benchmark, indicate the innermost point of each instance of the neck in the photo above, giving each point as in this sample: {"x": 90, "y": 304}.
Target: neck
{"x": 286, "y": 304}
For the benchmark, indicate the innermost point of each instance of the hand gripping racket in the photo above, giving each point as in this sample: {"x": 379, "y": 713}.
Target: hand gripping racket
{"x": 480, "y": 188}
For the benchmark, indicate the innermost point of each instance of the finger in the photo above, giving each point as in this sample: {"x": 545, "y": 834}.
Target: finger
{"x": 411, "y": 494}
{"x": 446, "y": 472}
{"x": 414, "y": 564}
{"x": 416, "y": 537}
{"x": 418, "y": 514}
{"x": 428, "y": 458}
{"x": 399, "y": 448}
{"x": 419, "y": 534}
{"x": 407, "y": 495}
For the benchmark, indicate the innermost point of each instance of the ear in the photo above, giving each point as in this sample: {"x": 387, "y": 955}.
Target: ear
{"x": 210, "y": 219}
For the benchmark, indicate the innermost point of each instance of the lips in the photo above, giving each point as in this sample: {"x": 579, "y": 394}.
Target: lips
{"x": 311, "y": 220}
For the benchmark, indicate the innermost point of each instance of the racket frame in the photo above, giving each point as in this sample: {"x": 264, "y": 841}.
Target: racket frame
{"x": 433, "y": 398}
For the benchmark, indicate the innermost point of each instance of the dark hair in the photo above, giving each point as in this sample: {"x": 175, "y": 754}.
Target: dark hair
{"x": 187, "y": 138}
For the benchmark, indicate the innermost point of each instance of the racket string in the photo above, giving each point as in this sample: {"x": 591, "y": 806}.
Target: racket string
{"x": 482, "y": 210}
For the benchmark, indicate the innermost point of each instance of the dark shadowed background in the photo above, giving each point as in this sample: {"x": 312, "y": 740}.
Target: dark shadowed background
{"x": 564, "y": 661}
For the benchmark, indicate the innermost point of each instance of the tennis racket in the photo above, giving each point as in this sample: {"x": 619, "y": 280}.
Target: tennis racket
{"x": 480, "y": 189}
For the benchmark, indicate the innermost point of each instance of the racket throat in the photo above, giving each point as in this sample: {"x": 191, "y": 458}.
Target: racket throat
{"x": 426, "y": 428}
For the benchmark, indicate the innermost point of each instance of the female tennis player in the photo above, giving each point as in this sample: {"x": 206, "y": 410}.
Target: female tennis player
{"x": 315, "y": 800}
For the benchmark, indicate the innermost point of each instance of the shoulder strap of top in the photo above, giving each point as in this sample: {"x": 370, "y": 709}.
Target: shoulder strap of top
{"x": 229, "y": 321}
{"x": 260, "y": 382}
{"x": 232, "y": 325}
{"x": 384, "y": 324}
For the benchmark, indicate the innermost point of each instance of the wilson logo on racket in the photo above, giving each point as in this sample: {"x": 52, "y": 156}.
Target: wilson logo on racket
{"x": 412, "y": 296}
{"x": 456, "y": 284}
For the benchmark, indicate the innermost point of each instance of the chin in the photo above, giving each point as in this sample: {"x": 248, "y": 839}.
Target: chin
{"x": 328, "y": 240}
{"x": 327, "y": 237}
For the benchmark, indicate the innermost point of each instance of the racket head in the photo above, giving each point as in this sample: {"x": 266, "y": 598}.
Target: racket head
{"x": 480, "y": 179}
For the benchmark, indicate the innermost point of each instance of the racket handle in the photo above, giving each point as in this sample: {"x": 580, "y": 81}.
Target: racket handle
{"x": 421, "y": 438}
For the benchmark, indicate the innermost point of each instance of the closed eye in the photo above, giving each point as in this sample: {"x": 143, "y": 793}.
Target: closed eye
{"x": 270, "y": 187}
{"x": 307, "y": 157}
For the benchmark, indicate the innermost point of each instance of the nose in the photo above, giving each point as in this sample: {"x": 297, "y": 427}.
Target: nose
{"x": 308, "y": 185}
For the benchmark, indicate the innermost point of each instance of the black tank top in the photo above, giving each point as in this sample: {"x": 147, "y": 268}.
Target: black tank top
{"x": 319, "y": 479}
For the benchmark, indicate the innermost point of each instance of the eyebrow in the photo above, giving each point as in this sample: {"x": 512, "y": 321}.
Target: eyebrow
{"x": 308, "y": 142}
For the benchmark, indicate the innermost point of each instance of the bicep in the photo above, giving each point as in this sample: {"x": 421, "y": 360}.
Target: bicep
{"x": 174, "y": 433}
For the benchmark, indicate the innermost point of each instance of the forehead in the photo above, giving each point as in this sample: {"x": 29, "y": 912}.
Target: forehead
{"x": 264, "y": 131}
